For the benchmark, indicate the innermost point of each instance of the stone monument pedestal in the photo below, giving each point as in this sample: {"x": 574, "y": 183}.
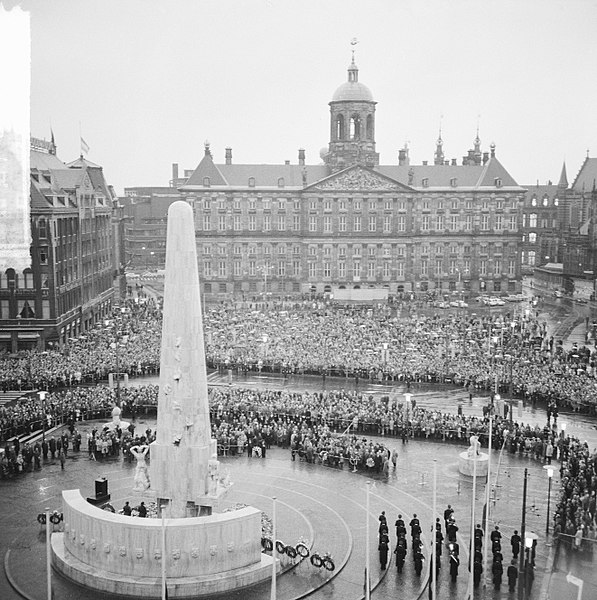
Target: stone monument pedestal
{"x": 466, "y": 464}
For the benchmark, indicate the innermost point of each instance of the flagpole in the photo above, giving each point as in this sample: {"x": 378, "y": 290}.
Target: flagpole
{"x": 472, "y": 545}
{"x": 273, "y": 591}
{"x": 48, "y": 556}
{"x": 487, "y": 489}
{"x": 433, "y": 533}
{"x": 164, "y": 593}
{"x": 367, "y": 549}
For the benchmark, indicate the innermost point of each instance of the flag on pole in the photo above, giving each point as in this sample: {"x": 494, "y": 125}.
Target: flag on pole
{"x": 84, "y": 146}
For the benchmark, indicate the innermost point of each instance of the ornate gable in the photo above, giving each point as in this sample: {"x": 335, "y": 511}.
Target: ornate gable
{"x": 358, "y": 179}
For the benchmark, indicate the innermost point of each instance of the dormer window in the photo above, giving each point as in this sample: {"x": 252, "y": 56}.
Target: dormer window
{"x": 545, "y": 201}
{"x": 280, "y": 182}
{"x": 252, "y": 182}
{"x": 533, "y": 201}
{"x": 425, "y": 182}
{"x": 206, "y": 182}
{"x": 453, "y": 181}
{"x": 498, "y": 182}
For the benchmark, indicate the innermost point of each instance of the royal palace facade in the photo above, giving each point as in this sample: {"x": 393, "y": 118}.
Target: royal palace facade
{"x": 351, "y": 222}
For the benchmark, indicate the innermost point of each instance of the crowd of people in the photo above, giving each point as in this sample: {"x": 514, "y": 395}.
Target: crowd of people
{"x": 386, "y": 344}
{"x": 576, "y": 509}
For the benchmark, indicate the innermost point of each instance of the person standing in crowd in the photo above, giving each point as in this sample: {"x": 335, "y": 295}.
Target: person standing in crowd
{"x": 62, "y": 458}
{"x": 512, "y": 574}
{"x": 454, "y": 564}
{"x": 126, "y": 509}
{"x": 384, "y": 543}
{"x": 142, "y": 510}
{"x": 515, "y": 542}
{"x": 447, "y": 516}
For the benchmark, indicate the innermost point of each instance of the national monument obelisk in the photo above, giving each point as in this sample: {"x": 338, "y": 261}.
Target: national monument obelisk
{"x": 202, "y": 554}
{"x": 184, "y": 465}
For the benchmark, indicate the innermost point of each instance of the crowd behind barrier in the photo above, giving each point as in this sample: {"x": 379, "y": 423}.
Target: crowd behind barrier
{"x": 331, "y": 428}
{"x": 383, "y": 344}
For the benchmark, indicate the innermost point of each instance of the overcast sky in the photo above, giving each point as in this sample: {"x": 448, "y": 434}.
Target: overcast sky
{"x": 149, "y": 81}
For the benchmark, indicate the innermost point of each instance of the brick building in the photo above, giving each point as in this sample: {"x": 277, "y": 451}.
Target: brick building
{"x": 69, "y": 286}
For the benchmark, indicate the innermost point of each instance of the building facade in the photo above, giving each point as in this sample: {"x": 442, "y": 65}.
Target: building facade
{"x": 69, "y": 286}
{"x": 352, "y": 222}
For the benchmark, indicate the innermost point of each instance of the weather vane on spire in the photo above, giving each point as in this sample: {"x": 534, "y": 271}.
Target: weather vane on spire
{"x": 353, "y": 43}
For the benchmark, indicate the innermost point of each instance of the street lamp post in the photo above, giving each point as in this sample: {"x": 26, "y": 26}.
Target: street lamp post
{"x": 521, "y": 567}
{"x": 42, "y": 397}
{"x": 549, "y": 470}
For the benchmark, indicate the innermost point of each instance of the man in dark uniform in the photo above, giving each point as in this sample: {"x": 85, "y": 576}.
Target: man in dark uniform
{"x": 419, "y": 560}
{"x": 448, "y": 515}
{"x": 497, "y": 571}
{"x": 400, "y": 553}
{"x": 454, "y": 564}
{"x": 384, "y": 543}
{"x": 415, "y": 526}
{"x": 44, "y": 449}
{"x": 126, "y": 509}
{"x": 515, "y": 542}
{"x": 451, "y": 530}
{"x": 53, "y": 447}
{"x": 496, "y": 535}
{"x": 400, "y": 526}
{"x": 142, "y": 509}
{"x": 477, "y": 571}
{"x": 512, "y": 575}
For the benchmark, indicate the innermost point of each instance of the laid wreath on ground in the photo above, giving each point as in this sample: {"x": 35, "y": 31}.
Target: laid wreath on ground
{"x": 328, "y": 563}
{"x": 281, "y": 547}
{"x": 316, "y": 560}
{"x": 291, "y": 552}
{"x": 41, "y": 518}
{"x": 302, "y": 550}
{"x": 267, "y": 544}
{"x": 55, "y": 518}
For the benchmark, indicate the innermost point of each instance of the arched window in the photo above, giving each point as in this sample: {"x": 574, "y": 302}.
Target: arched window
{"x": 355, "y": 127}
{"x": 28, "y": 279}
{"x": 339, "y": 127}
{"x": 369, "y": 134}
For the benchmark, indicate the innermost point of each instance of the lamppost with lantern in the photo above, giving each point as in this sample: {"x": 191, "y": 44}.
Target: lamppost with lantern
{"x": 42, "y": 397}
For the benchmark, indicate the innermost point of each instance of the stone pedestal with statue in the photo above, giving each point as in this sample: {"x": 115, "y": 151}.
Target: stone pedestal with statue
{"x": 473, "y": 462}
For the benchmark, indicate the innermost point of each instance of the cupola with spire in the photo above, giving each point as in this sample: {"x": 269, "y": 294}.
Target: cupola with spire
{"x": 352, "y": 123}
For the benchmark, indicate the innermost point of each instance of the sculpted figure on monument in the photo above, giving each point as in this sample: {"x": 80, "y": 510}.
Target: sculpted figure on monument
{"x": 473, "y": 449}
{"x": 141, "y": 473}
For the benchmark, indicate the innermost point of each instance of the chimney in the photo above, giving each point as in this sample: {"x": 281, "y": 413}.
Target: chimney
{"x": 286, "y": 162}
{"x": 174, "y": 171}
{"x": 228, "y": 156}
{"x": 425, "y": 163}
{"x": 446, "y": 163}
{"x": 485, "y": 157}
{"x": 454, "y": 162}
{"x": 301, "y": 157}
{"x": 403, "y": 157}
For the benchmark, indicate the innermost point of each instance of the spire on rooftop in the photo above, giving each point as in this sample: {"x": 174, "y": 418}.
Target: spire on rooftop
{"x": 563, "y": 183}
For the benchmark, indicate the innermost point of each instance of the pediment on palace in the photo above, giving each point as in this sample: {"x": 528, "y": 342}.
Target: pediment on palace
{"x": 355, "y": 179}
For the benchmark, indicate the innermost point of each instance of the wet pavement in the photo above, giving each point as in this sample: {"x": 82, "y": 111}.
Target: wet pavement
{"x": 324, "y": 505}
